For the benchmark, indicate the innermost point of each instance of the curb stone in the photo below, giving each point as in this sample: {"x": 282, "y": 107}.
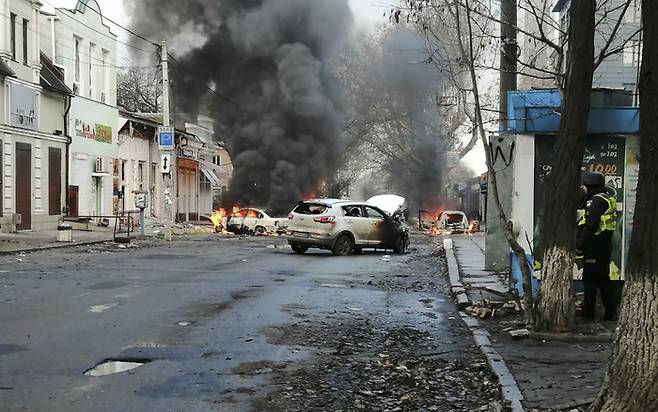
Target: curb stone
{"x": 509, "y": 388}
{"x": 51, "y": 247}
{"x": 456, "y": 285}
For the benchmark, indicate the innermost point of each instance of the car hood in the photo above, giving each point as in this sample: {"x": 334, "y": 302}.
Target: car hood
{"x": 388, "y": 203}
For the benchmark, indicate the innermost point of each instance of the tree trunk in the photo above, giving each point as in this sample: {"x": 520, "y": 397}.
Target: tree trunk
{"x": 555, "y": 304}
{"x": 631, "y": 380}
{"x": 508, "y": 57}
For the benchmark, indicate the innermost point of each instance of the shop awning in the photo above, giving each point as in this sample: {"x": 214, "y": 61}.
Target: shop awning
{"x": 210, "y": 175}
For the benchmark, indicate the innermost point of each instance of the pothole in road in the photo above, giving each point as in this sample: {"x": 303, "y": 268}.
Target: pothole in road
{"x": 112, "y": 366}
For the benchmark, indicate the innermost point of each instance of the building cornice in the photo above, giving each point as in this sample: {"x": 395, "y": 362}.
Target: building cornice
{"x": 32, "y": 133}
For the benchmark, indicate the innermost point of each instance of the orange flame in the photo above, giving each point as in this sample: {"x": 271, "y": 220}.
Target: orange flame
{"x": 309, "y": 196}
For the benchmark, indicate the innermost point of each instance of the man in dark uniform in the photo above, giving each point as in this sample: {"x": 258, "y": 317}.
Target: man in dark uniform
{"x": 595, "y": 231}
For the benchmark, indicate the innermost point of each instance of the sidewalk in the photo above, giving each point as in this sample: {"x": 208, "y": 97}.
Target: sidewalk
{"x": 24, "y": 241}
{"x": 551, "y": 375}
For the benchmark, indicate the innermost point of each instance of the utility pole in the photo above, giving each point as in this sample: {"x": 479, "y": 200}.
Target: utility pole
{"x": 508, "y": 56}
{"x": 168, "y": 178}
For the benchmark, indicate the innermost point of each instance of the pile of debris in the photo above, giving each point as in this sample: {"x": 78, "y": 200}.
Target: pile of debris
{"x": 487, "y": 309}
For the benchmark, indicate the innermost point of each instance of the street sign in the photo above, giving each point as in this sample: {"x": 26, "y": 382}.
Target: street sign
{"x": 165, "y": 164}
{"x": 166, "y": 138}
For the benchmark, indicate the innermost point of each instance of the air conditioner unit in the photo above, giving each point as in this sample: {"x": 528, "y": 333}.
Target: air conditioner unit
{"x": 99, "y": 165}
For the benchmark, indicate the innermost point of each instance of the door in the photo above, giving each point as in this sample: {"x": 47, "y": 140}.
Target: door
{"x": 74, "y": 202}
{"x": 358, "y": 223}
{"x": 24, "y": 185}
{"x": 54, "y": 181}
{"x": 377, "y": 222}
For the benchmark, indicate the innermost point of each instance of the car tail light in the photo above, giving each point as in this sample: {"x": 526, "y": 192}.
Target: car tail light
{"x": 324, "y": 219}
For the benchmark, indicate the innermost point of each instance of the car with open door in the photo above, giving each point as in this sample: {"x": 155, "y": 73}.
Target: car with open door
{"x": 344, "y": 227}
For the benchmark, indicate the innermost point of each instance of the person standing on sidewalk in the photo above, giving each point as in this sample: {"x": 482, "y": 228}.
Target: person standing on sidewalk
{"x": 595, "y": 230}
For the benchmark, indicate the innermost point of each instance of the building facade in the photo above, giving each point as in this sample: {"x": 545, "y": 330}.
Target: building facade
{"x": 78, "y": 41}
{"x": 33, "y": 106}
{"x": 619, "y": 70}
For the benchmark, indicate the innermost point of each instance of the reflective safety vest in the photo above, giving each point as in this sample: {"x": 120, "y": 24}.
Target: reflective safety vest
{"x": 608, "y": 219}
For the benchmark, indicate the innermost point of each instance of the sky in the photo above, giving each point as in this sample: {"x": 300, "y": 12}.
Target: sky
{"x": 366, "y": 12}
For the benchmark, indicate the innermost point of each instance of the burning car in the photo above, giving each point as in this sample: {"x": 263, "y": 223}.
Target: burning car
{"x": 345, "y": 227}
{"x": 253, "y": 221}
{"x": 453, "y": 221}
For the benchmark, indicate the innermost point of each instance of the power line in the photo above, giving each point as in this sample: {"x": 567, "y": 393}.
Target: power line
{"x": 114, "y": 38}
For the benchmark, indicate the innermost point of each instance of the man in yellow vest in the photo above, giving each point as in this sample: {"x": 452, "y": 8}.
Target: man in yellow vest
{"x": 595, "y": 230}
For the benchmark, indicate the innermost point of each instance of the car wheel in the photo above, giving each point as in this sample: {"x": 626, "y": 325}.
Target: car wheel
{"x": 400, "y": 245}
{"x": 259, "y": 231}
{"x": 299, "y": 249}
{"x": 344, "y": 246}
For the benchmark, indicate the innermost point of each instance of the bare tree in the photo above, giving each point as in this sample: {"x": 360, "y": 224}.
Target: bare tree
{"x": 631, "y": 379}
{"x": 555, "y": 300}
{"x": 139, "y": 89}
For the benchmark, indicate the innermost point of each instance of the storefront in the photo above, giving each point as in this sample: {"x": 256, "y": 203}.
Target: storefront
{"x": 611, "y": 148}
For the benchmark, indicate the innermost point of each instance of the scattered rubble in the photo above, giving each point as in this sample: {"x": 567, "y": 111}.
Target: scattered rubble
{"x": 363, "y": 365}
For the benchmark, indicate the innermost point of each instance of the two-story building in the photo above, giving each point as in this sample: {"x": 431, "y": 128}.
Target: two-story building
{"x": 34, "y": 102}
{"x": 83, "y": 46}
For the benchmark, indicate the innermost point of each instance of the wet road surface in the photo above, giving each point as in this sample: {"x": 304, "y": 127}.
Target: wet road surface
{"x": 218, "y": 324}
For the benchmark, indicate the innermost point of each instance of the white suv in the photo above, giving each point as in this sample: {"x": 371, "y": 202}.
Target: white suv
{"x": 344, "y": 227}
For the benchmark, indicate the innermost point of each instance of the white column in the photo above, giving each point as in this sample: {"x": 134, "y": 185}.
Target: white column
{"x": 35, "y": 42}
{"x": 5, "y": 33}
{"x": 38, "y": 177}
{"x": 8, "y": 171}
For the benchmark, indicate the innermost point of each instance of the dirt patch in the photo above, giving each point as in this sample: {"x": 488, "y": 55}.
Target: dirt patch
{"x": 364, "y": 365}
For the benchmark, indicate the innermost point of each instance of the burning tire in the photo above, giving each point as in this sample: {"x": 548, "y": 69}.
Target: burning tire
{"x": 299, "y": 249}
{"x": 344, "y": 246}
{"x": 259, "y": 231}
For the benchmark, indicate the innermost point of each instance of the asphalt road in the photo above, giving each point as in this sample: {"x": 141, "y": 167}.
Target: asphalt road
{"x": 202, "y": 314}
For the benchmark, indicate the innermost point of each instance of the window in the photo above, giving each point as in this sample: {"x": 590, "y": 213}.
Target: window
{"x": 352, "y": 211}
{"x": 25, "y": 41}
{"x": 13, "y": 36}
{"x": 632, "y": 53}
{"x": 123, "y": 170}
{"x": 374, "y": 213}
{"x": 140, "y": 175}
{"x": 90, "y": 93}
{"x": 77, "y": 59}
{"x": 105, "y": 81}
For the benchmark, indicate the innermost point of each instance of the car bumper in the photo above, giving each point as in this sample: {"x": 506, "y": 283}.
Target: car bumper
{"x": 311, "y": 240}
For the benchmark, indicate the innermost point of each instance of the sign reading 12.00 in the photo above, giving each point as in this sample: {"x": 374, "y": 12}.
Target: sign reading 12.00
{"x": 166, "y": 138}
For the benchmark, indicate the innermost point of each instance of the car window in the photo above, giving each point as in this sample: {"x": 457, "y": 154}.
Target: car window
{"x": 374, "y": 213}
{"x": 353, "y": 211}
{"x": 454, "y": 218}
{"x": 241, "y": 213}
{"x": 310, "y": 209}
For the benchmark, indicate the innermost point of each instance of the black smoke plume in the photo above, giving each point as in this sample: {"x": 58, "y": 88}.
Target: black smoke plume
{"x": 273, "y": 101}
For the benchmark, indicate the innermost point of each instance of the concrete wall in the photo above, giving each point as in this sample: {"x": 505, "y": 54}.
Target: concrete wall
{"x": 524, "y": 189}
{"x": 497, "y": 249}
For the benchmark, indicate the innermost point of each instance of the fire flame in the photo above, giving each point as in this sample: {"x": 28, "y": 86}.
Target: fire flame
{"x": 309, "y": 196}
{"x": 219, "y": 217}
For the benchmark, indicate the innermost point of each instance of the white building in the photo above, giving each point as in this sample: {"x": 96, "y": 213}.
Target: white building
{"x": 84, "y": 47}
{"x": 33, "y": 105}
{"x": 215, "y": 165}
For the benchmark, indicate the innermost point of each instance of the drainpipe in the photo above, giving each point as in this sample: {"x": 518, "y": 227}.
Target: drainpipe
{"x": 68, "y": 150}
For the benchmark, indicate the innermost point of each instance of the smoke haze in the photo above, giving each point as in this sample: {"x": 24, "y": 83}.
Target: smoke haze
{"x": 275, "y": 104}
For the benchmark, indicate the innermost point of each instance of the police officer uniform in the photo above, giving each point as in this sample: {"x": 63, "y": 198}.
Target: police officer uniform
{"x": 595, "y": 230}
